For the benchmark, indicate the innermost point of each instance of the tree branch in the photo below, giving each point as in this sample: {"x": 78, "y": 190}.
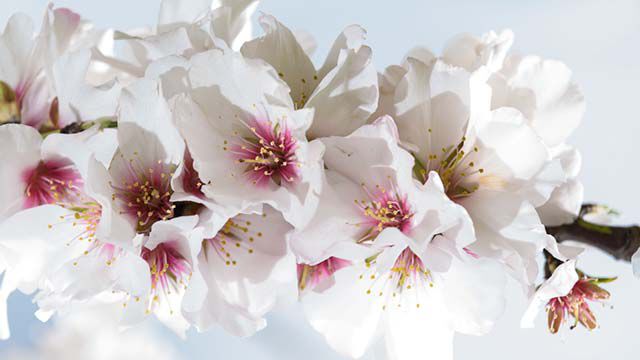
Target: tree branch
{"x": 621, "y": 242}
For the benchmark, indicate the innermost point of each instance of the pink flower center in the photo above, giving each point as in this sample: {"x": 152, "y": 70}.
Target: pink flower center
{"x": 382, "y": 210}
{"x": 145, "y": 195}
{"x": 269, "y": 153}
{"x": 169, "y": 269}
{"x": 575, "y": 304}
{"x": 50, "y": 182}
{"x": 309, "y": 276}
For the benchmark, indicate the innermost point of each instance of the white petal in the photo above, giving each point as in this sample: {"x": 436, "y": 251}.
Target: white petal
{"x": 251, "y": 83}
{"x": 346, "y": 97}
{"x": 469, "y": 52}
{"x": 306, "y": 41}
{"x": 474, "y": 294}
{"x": 114, "y": 227}
{"x": 544, "y": 92}
{"x": 19, "y": 151}
{"x": 280, "y": 48}
{"x": 332, "y": 230}
{"x": 77, "y": 100}
{"x": 231, "y": 21}
{"x": 418, "y": 333}
{"x": 508, "y": 142}
{"x": 370, "y": 155}
{"x": 143, "y": 104}
{"x": 16, "y": 44}
{"x": 564, "y": 204}
{"x": 344, "y": 314}
{"x": 352, "y": 38}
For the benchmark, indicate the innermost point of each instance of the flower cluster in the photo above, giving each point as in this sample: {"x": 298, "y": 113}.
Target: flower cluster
{"x": 198, "y": 174}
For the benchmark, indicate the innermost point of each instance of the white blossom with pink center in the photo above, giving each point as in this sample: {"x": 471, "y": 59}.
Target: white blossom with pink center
{"x": 170, "y": 252}
{"x": 100, "y": 229}
{"x": 544, "y": 91}
{"x": 403, "y": 267}
{"x": 483, "y": 156}
{"x": 248, "y": 146}
{"x": 35, "y": 171}
{"x": 57, "y": 217}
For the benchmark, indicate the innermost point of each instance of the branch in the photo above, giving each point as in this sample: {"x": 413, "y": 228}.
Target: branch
{"x": 621, "y": 242}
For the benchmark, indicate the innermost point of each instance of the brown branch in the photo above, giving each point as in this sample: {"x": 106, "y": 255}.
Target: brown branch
{"x": 621, "y": 242}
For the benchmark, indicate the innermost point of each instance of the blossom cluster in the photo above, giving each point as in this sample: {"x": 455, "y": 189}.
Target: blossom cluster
{"x": 204, "y": 176}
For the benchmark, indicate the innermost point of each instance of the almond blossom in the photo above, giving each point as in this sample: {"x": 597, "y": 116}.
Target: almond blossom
{"x": 543, "y": 90}
{"x": 42, "y": 75}
{"x": 484, "y": 157}
{"x": 248, "y": 146}
{"x": 404, "y": 267}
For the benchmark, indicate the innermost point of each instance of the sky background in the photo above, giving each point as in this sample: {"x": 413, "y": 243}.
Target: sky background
{"x": 598, "y": 40}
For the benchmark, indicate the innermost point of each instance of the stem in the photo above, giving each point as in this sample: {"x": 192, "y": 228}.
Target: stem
{"x": 621, "y": 242}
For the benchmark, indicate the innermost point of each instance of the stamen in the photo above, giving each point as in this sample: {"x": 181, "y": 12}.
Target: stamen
{"x": 51, "y": 181}
{"x": 383, "y": 209}
{"x": 269, "y": 153}
{"x": 145, "y": 193}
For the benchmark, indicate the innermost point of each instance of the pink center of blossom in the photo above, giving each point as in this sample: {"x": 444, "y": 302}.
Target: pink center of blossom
{"x": 309, "y": 276}
{"x": 145, "y": 194}
{"x": 50, "y": 182}
{"x": 269, "y": 153}
{"x": 382, "y": 210}
{"x": 575, "y": 304}
{"x": 236, "y": 238}
{"x": 169, "y": 269}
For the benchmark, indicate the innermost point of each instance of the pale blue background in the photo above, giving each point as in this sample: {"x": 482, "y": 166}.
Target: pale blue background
{"x": 598, "y": 39}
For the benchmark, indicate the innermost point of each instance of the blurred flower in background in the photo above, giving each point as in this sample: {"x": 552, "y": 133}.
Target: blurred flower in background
{"x": 93, "y": 333}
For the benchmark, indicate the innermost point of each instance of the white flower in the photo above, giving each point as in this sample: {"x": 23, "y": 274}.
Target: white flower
{"x": 50, "y": 171}
{"x": 39, "y": 240}
{"x": 488, "y": 160}
{"x": 343, "y": 92}
{"x": 42, "y": 77}
{"x": 548, "y": 98}
{"x": 120, "y": 206}
{"x": 247, "y": 147}
{"x": 248, "y": 269}
{"x": 171, "y": 251}
{"x": 410, "y": 277}
{"x": 184, "y": 28}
